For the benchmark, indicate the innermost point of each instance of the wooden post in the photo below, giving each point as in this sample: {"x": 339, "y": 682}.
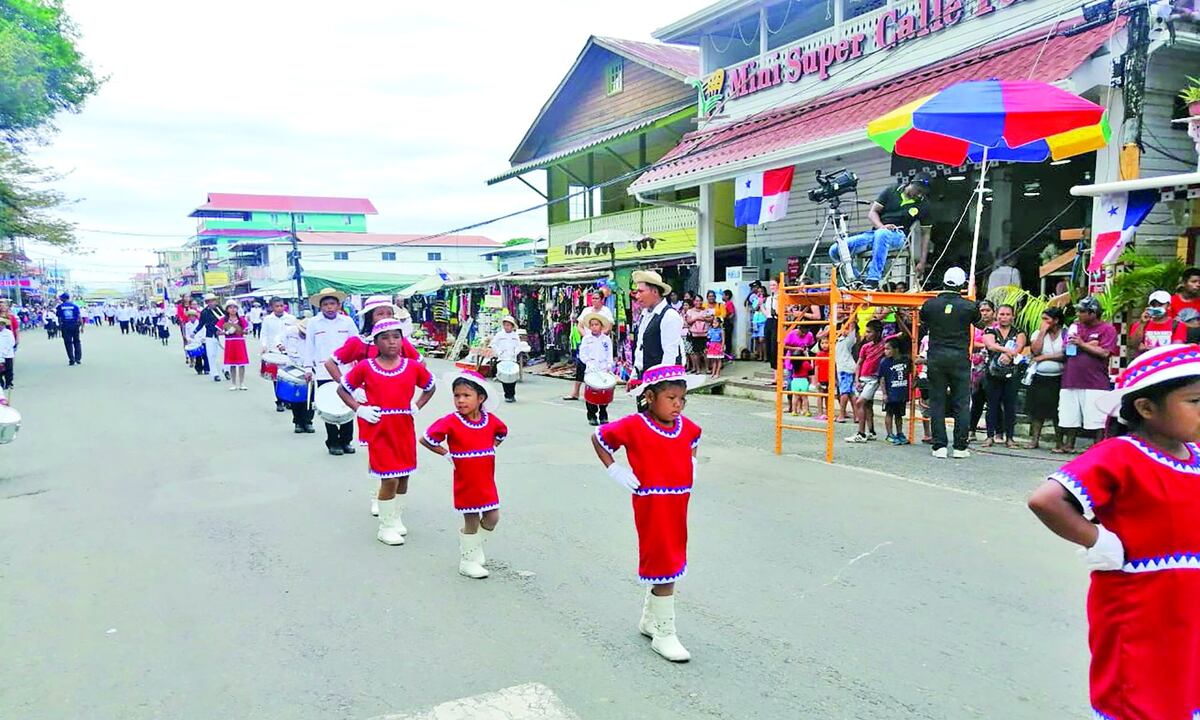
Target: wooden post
{"x": 780, "y": 319}
{"x": 912, "y": 387}
{"x": 831, "y": 393}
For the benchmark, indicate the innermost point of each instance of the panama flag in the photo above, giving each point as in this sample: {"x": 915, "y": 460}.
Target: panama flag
{"x": 1119, "y": 216}
{"x": 762, "y": 197}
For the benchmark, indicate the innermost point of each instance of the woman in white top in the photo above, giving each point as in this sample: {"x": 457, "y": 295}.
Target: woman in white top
{"x": 505, "y": 346}
{"x": 1041, "y": 399}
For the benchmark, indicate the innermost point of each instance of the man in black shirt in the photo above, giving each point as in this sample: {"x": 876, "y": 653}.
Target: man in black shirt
{"x": 892, "y": 214}
{"x": 950, "y": 319}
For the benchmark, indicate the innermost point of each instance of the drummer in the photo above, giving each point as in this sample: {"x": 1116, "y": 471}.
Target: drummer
{"x": 505, "y": 346}
{"x": 291, "y": 343}
{"x": 597, "y": 305}
{"x": 596, "y": 355}
{"x": 325, "y": 333}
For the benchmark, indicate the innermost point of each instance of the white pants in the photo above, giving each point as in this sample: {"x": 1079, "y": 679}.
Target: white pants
{"x": 1077, "y": 408}
{"x": 216, "y": 357}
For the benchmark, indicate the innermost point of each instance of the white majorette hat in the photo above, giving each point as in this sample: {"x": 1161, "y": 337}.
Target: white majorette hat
{"x": 1169, "y": 362}
{"x": 377, "y": 301}
{"x": 464, "y": 374}
{"x": 591, "y": 315}
{"x": 663, "y": 373}
{"x": 386, "y": 325}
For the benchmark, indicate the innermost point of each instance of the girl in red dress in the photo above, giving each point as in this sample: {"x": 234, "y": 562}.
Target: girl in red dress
{"x": 661, "y": 446}
{"x": 472, "y": 434}
{"x": 360, "y": 347}
{"x": 1134, "y": 503}
{"x": 233, "y": 328}
{"x": 390, "y": 382}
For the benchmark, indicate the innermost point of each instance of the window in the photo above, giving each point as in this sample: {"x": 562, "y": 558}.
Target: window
{"x": 389, "y": 256}
{"x": 341, "y": 256}
{"x": 577, "y": 202}
{"x": 274, "y": 218}
{"x": 299, "y": 218}
{"x": 614, "y": 79}
{"x": 349, "y": 219}
{"x": 433, "y": 256}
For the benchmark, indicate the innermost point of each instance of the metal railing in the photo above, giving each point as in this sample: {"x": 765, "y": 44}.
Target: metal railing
{"x": 647, "y": 221}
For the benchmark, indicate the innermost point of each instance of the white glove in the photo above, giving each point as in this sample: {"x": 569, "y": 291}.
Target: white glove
{"x": 624, "y": 477}
{"x": 1107, "y": 554}
{"x": 369, "y": 413}
{"x": 449, "y": 459}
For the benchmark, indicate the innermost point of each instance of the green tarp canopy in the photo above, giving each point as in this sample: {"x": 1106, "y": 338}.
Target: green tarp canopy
{"x": 354, "y": 282}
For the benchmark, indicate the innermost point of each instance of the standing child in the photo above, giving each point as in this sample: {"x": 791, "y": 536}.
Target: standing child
{"x": 893, "y": 373}
{"x": 8, "y": 351}
{"x": 758, "y": 333}
{"x": 866, "y": 379}
{"x": 233, "y": 328}
{"x": 661, "y": 447}
{"x": 714, "y": 351}
{"x": 1131, "y": 502}
{"x": 164, "y": 327}
{"x": 472, "y": 434}
{"x": 390, "y": 381}
{"x": 847, "y": 368}
{"x": 596, "y": 356}
{"x": 505, "y": 346}
{"x": 822, "y": 382}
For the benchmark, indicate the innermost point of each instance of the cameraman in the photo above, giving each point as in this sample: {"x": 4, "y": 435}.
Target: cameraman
{"x": 895, "y": 211}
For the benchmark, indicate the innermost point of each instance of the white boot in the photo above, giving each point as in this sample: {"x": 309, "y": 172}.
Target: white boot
{"x": 665, "y": 642}
{"x": 375, "y": 504}
{"x": 387, "y": 524}
{"x": 468, "y": 546}
{"x": 646, "y": 624}
{"x": 486, "y": 535}
{"x": 398, "y": 523}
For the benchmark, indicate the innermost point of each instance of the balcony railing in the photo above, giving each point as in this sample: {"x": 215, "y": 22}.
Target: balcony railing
{"x": 646, "y": 221}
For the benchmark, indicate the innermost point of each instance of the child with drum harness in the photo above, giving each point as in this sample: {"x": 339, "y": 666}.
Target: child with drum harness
{"x": 295, "y": 391}
{"x": 472, "y": 434}
{"x": 505, "y": 346}
{"x": 390, "y": 382}
{"x": 596, "y": 354}
{"x": 661, "y": 446}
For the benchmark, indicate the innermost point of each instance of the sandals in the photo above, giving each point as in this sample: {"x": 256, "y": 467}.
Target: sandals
{"x": 1011, "y": 444}
{"x": 988, "y": 443}
{"x": 569, "y": 397}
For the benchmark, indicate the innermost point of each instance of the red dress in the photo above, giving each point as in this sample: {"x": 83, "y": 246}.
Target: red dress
{"x": 393, "y": 439}
{"x": 662, "y": 461}
{"x": 1144, "y": 620}
{"x": 357, "y": 348}
{"x": 235, "y": 344}
{"x": 473, "y": 447}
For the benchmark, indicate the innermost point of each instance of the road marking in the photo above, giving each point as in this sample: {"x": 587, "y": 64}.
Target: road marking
{"x": 531, "y": 701}
{"x": 913, "y": 481}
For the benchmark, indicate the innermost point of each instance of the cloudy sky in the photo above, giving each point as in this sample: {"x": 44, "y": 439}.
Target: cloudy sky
{"x": 412, "y": 105}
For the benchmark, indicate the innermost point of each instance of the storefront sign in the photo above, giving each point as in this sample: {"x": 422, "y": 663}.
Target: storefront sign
{"x": 216, "y": 278}
{"x": 16, "y": 282}
{"x": 789, "y": 65}
{"x": 793, "y": 269}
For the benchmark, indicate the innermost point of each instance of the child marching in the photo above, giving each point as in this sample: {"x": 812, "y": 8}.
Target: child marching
{"x": 390, "y": 382}
{"x": 233, "y": 328}
{"x": 471, "y": 433}
{"x": 596, "y": 355}
{"x": 660, "y": 445}
{"x": 1132, "y": 502}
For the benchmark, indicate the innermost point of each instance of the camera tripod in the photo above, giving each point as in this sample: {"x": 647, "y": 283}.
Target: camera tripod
{"x": 849, "y": 271}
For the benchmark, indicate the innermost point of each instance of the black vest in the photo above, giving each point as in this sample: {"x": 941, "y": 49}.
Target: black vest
{"x": 652, "y": 349}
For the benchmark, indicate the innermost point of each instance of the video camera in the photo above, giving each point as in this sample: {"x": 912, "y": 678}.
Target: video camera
{"x": 831, "y": 186}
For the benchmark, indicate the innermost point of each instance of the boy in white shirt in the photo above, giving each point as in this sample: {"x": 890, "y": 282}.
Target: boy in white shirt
{"x": 8, "y": 350}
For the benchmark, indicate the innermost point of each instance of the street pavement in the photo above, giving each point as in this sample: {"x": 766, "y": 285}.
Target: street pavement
{"x": 173, "y": 550}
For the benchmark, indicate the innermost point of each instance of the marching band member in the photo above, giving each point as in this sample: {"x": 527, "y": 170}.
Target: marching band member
{"x": 472, "y": 434}
{"x": 327, "y": 332}
{"x": 290, "y": 341}
{"x": 505, "y": 345}
{"x": 210, "y": 316}
{"x": 596, "y": 354}
{"x": 273, "y": 325}
{"x": 1131, "y": 501}
{"x": 661, "y": 447}
{"x": 390, "y": 381}
{"x": 233, "y": 328}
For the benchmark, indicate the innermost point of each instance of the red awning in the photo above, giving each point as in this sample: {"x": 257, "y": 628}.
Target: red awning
{"x": 1027, "y": 57}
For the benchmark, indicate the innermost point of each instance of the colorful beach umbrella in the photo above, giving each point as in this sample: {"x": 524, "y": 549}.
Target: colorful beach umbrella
{"x": 1010, "y": 120}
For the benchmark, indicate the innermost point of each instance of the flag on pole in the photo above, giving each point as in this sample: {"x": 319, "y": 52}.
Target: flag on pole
{"x": 762, "y": 197}
{"x": 1118, "y": 219}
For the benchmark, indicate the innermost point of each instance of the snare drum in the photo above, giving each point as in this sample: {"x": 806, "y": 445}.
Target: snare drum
{"x": 329, "y": 405}
{"x": 274, "y": 358}
{"x": 10, "y": 423}
{"x": 598, "y": 388}
{"x": 194, "y": 351}
{"x": 290, "y": 392}
{"x": 291, "y": 375}
{"x": 508, "y": 371}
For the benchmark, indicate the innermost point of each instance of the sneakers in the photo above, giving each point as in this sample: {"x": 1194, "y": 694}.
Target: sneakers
{"x": 941, "y": 453}
{"x": 897, "y": 439}
{"x": 857, "y": 438}
{"x": 961, "y": 454}
{"x": 870, "y": 436}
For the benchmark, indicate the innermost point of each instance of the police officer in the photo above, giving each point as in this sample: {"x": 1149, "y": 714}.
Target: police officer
{"x": 70, "y": 322}
{"x": 950, "y": 318}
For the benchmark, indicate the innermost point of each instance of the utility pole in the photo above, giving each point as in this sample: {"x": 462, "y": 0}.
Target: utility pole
{"x": 295, "y": 258}
{"x": 1133, "y": 87}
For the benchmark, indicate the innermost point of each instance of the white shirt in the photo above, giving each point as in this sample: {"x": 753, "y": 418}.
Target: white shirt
{"x": 255, "y": 315}
{"x": 506, "y": 345}
{"x": 670, "y": 332}
{"x": 293, "y": 344}
{"x": 272, "y": 329}
{"x": 596, "y": 352}
{"x": 325, "y": 336}
{"x": 8, "y": 344}
{"x": 189, "y": 329}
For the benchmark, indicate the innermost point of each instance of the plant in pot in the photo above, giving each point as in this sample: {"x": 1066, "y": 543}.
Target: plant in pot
{"x": 1191, "y": 96}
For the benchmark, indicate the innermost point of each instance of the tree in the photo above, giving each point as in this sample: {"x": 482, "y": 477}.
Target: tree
{"x": 24, "y": 206}
{"x": 42, "y": 73}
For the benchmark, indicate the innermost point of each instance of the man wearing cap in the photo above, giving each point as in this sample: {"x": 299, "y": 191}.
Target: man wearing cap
{"x": 327, "y": 331}
{"x": 892, "y": 214}
{"x": 950, "y": 320}
{"x": 210, "y": 316}
{"x": 660, "y": 328}
{"x": 1090, "y": 343}
{"x": 1156, "y": 326}
{"x": 70, "y": 321}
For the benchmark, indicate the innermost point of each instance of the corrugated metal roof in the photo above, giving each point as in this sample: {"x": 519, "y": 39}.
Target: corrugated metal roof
{"x": 850, "y": 110}
{"x": 288, "y": 203}
{"x": 678, "y": 60}
{"x": 597, "y": 138}
{"x": 370, "y": 239}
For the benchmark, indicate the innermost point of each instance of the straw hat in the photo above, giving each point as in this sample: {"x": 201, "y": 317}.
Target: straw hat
{"x": 1169, "y": 362}
{"x": 316, "y": 298}
{"x": 232, "y": 303}
{"x": 586, "y": 318}
{"x": 663, "y": 373}
{"x": 651, "y": 277}
{"x": 510, "y": 319}
{"x": 210, "y": 296}
{"x": 475, "y": 378}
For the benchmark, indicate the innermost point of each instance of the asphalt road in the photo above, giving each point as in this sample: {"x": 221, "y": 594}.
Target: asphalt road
{"x": 171, "y": 550}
